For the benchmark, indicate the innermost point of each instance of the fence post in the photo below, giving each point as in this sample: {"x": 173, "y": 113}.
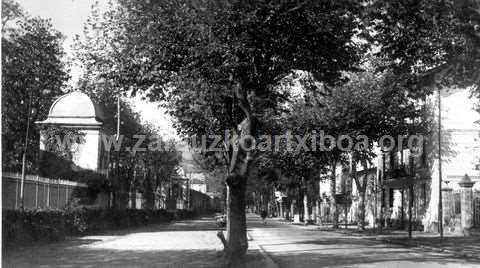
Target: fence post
{"x": 48, "y": 194}
{"x": 36, "y": 193}
{"x": 16, "y": 192}
{"x": 58, "y": 194}
{"x": 66, "y": 194}
{"x": 476, "y": 209}
{"x": 44, "y": 193}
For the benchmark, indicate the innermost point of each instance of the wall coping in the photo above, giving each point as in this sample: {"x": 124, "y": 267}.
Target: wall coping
{"x": 36, "y": 178}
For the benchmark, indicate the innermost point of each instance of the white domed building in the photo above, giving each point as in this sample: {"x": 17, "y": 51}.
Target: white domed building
{"x": 76, "y": 110}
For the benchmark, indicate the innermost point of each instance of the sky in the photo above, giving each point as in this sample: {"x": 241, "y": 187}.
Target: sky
{"x": 68, "y": 17}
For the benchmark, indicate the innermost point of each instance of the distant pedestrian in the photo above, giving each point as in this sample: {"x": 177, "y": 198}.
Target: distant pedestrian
{"x": 263, "y": 214}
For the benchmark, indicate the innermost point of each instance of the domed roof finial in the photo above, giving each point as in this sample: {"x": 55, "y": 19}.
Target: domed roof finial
{"x": 466, "y": 181}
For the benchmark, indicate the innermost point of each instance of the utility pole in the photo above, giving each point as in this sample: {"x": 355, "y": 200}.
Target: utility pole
{"x": 118, "y": 117}
{"x": 440, "y": 205}
{"x": 24, "y": 155}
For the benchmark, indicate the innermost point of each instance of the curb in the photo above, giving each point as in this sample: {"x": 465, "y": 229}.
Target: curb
{"x": 269, "y": 262}
{"x": 407, "y": 244}
{"x": 350, "y": 233}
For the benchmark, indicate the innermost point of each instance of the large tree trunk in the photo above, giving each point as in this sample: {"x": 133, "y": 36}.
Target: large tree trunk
{"x": 306, "y": 215}
{"x": 148, "y": 196}
{"x": 318, "y": 218}
{"x": 382, "y": 196}
{"x": 122, "y": 195}
{"x": 333, "y": 191}
{"x": 361, "y": 220}
{"x": 280, "y": 208}
{"x": 361, "y": 187}
{"x": 410, "y": 208}
{"x": 236, "y": 243}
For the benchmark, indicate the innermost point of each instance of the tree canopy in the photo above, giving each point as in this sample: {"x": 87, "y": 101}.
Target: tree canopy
{"x": 33, "y": 76}
{"x": 429, "y": 43}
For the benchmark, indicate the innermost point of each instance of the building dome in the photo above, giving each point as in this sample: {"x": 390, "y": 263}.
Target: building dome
{"x": 74, "y": 108}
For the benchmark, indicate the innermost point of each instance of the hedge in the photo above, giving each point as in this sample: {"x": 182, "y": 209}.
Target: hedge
{"x": 43, "y": 226}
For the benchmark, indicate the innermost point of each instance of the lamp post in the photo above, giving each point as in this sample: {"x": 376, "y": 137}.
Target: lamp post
{"x": 24, "y": 154}
{"x": 30, "y": 111}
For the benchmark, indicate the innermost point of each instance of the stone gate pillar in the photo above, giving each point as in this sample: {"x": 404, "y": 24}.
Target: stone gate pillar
{"x": 466, "y": 198}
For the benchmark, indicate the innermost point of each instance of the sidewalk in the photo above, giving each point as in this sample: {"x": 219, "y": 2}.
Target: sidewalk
{"x": 466, "y": 247}
{"x": 460, "y": 246}
{"x": 187, "y": 243}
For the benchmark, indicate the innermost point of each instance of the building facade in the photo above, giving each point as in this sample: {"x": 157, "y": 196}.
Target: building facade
{"x": 77, "y": 111}
{"x": 398, "y": 177}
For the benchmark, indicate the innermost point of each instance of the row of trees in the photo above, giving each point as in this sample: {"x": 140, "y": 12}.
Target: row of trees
{"x": 226, "y": 65}
{"x": 365, "y": 108}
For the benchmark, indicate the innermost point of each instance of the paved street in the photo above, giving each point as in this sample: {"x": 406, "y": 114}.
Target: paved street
{"x": 193, "y": 243}
{"x": 306, "y": 246}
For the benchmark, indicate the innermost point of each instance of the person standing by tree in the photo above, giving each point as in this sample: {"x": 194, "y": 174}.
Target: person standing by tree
{"x": 263, "y": 215}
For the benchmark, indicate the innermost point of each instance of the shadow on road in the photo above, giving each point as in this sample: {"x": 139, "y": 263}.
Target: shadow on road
{"x": 189, "y": 243}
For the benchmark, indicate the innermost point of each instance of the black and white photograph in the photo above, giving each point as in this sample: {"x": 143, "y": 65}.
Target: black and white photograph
{"x": 240, "y": 133}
